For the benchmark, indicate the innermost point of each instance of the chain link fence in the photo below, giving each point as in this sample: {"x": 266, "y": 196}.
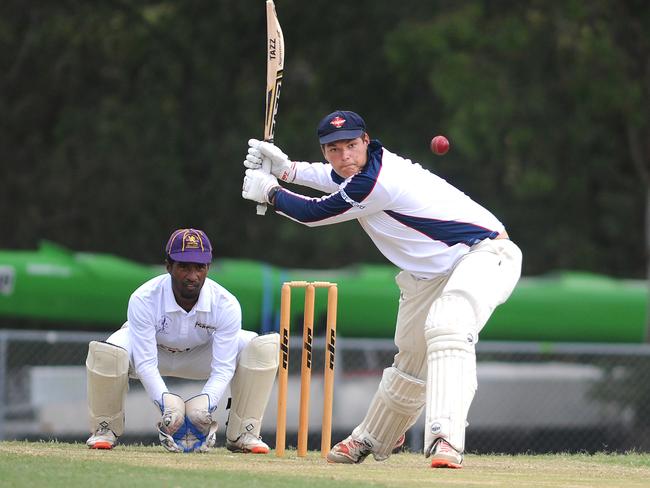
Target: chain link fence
{"x": 532, "y": 397}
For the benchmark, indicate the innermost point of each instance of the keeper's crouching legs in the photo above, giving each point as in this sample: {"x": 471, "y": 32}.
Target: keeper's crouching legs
{"x": 394, "y": 408}
{"x": 250, "y": 390}
{"x": 107, "y": 368}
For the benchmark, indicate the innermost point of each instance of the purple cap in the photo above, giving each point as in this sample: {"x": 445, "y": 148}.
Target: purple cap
{"x": 189, "y": 246}
{"x": 340, "y": 125}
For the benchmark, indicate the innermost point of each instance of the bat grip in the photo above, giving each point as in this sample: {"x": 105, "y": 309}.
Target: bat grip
{"x": 266, "y": 167}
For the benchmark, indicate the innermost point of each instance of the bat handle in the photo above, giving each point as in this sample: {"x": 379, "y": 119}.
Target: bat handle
{"x": 266, "y": 167}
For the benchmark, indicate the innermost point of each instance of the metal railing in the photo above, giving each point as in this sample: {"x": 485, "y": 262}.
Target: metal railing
{"x": 532, "y": 397}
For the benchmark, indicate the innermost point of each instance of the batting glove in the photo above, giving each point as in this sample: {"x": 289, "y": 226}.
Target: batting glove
{"x": 280, "y": 164}
{"x": 257, "y": 185}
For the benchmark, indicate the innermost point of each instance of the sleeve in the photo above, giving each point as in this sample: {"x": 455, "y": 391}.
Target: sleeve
{"x": 142, "y": 331}
{"x": 224, "y": 352}
{"x": 315, "y": 175}
{"x": 356, "y": 197}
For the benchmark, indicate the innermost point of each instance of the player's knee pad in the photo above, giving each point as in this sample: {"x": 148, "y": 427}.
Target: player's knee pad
{"x": 251, "y": 385}
{"x": 107, "y": 369}
{"x": 395, "y": 407}
{"x": 451, "y": 323}
{"x": 401, "y": 392}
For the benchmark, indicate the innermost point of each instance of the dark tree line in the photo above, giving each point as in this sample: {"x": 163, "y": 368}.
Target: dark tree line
{"x": 121, "y": 120}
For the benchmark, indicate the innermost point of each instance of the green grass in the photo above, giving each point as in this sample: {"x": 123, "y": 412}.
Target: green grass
{"x": 54, "y": 464}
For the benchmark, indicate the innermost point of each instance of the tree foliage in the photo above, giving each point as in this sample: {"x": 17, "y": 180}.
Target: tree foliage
{"x": 124, "y": 119}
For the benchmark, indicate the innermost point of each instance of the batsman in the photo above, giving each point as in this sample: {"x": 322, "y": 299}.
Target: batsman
{"x": 184, "y": 324}
{"x": 457, "y": 264}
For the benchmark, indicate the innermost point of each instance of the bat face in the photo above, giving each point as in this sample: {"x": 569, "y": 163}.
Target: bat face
{"x": 274, "y": 69}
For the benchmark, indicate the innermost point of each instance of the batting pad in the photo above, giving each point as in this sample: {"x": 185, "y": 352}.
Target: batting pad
{"x": 107, "y": 367}
{"x": 251, "y": 385}
{"x": 394, "y": 408}
{"x": 451, "y": 377}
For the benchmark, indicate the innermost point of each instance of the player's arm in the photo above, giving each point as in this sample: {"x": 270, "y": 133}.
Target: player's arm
{"x": 224, "y": 353}
{"x": 142, "y": 332}
{"x": 357, "y": 197}
{"x": 313, "y": 175}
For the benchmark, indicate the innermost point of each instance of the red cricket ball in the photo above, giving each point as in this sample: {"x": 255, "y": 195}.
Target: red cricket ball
{"x": 439, "y": 145}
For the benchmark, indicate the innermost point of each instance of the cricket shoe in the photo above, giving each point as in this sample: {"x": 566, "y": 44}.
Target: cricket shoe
{"x": 246, "y": 443}
{"x": 348, "y": 451}
{"x": 445, "y": 456}
{"x": 399, "y": 444}
{"x": 103, "y": 438}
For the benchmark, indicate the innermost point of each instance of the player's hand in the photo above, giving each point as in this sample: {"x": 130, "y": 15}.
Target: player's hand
{"x": 172, "y": 421}
{"x": 257, "y": 185}
{"x": 201, "y": 430}
{"x": 281, "y": 167}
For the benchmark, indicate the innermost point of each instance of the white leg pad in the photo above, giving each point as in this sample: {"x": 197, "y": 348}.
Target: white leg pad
{"x": 394, "y": 408}
{"x": 251, "y": 385}
{"x": 107, "y": 368}
{"x": 451, "y": 378}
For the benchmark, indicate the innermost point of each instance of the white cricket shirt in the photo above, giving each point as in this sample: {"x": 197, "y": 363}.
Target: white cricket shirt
{"x": 421, "y": 223}
{"x": 156, "y": 319}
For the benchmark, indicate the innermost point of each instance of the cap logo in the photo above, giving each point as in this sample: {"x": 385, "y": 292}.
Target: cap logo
{"x": 337, "y": 122}
{"x": 191, "y": 241}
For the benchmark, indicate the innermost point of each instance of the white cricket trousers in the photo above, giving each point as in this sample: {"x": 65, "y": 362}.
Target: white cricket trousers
{"x": 487, "y": 273}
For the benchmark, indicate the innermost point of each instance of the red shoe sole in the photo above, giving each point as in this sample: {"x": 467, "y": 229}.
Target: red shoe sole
{"x": 102, "y": 445}
{"x": 259, "y": 450}
{"x": 438, "y": 463}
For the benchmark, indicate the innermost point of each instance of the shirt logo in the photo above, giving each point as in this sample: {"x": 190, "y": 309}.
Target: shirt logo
{"x": 162, "y": 327}
{"x": 205, "y": 326}
{"x": 350, "y": 201}
{"x": 337, "y": 122}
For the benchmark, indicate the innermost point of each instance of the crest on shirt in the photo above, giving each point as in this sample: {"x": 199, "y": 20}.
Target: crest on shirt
{"x": 162, "y": 327}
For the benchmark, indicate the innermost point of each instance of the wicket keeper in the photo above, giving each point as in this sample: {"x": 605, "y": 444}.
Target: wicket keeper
{"x": 184, "y": 324}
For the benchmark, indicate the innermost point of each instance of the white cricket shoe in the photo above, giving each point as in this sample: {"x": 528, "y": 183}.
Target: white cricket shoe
{"x": 103, "y": 438}
{"x": 247, "y": 442}
{"x": 445, "y": 456}
{"x": 348, "y": 451}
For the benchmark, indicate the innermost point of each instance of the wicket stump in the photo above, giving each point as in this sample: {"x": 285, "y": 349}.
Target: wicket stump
{"x": 305, "y": 370}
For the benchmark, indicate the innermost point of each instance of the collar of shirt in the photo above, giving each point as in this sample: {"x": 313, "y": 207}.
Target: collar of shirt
{"x": 202, "y": 305}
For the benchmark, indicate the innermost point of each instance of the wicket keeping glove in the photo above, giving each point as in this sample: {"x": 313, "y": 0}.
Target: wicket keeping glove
{"x": 200, "y": 428}
{"x": 172, "y": 423}
{"x": 257, "y": 185}
{"x": 281, "y": 167}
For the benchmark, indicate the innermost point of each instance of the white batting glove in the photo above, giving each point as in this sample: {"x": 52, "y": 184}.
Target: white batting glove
{"x": 257, "y": 185}
{"x": 280, "y": 164}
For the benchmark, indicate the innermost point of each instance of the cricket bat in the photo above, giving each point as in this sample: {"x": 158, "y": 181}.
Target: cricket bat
{"x": 274, "y": 69}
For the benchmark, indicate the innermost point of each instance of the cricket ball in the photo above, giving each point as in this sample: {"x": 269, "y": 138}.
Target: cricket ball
{"x": 439, "y": 145}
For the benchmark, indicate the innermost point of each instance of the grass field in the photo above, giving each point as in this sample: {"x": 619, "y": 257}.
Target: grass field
{"x": 54, "y": 464}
